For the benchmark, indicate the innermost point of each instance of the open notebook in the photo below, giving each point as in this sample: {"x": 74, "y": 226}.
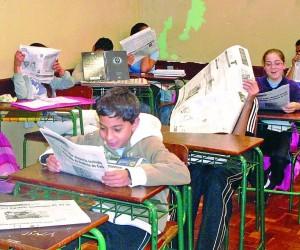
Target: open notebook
{"x": 105, "y": 66}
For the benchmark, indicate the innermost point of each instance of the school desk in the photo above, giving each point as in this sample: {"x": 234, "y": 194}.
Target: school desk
{"x": 40, "y": 181}
{"x": 227, "y": 149}
{"x": 138, "y": 86}
{"x": 290, "y": 117}
{"x": 49, "y": 238}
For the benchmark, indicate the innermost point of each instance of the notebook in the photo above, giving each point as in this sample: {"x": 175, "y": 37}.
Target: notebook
{"x": 103, "y": 66}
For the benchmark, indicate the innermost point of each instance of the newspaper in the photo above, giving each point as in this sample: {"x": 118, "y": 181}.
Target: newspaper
{"x": 81, "y": 160}
{"x": 274, "y": 99}
{"x": 140, "y": 44}
{"x": 40, "y": 213}
{"x": 212, "y": 101}
{"x": 38, "y": 62}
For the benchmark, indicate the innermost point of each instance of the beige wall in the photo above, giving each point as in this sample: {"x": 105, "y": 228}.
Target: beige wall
{"x": 255, "y": 24}
{"x": 70, "y": 25}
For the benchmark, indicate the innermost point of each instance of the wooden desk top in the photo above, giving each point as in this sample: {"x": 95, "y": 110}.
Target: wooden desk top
{"x": 46, "y": 237}
{"x": 278, "y": 115}
{"x": 6, "y": 106}
{"x": 225, "y": 144}
{"x": 36, "y": 174}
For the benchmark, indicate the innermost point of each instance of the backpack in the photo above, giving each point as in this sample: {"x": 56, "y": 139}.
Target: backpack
{"x": 8, "y": 164}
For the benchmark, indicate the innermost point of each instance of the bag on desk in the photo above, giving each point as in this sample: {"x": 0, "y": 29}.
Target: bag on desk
{"x": 8, "y": 164}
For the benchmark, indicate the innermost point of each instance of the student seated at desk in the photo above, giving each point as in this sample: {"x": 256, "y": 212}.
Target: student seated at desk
{"x": 102, "y": 44}
{"x": 124, "y": 132}
{"x": 217, "y": 184}
{"x": 276, "y": 143}
{"x": 292, "y": 70}
{"x": 28, "y": 88}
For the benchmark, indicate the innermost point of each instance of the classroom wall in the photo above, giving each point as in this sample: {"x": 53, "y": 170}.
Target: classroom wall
{"x": 198, "y": 30}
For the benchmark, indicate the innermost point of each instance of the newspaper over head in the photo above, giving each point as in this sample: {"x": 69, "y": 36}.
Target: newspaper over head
{"x": 84, "y": 160}
{"x": 140, "y": 44}
{"x": 211, "y": 102}
{"x": 38, "y": 62}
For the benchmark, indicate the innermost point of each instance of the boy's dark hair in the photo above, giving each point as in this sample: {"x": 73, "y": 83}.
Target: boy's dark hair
{"x": 119, "y": 102}
{"x": 137, "y": 28}
{"x": 103, "y": 43}
{"x": 38, "y": 45}
{"x": 297, "y": 43}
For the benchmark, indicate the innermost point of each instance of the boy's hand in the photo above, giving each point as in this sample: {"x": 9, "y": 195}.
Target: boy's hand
{"x": 58, "y": 69}
{"x": 291, "y": 107}
{"x": 116, "y": 178}
{"x": 251, "y": 87}
{"x": 130, "y": 59}
{"x": 19, "y": 58}
{"x": 295, "y": 59}
{"x": 53, "y": 164}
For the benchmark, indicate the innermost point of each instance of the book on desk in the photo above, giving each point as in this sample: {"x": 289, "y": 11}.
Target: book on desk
{"x": 104, "y": 66}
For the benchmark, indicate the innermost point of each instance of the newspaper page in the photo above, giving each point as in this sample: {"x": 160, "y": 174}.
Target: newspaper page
{"x": 296, "y": 76}
{"x": 140, "y": 44}
{"x": 38, "y": 62}
{"x": 274, "y": 99}
{"x": 212, "y": 101}
{"x": 41, "y": 213}
{"x": 81, "y": 160}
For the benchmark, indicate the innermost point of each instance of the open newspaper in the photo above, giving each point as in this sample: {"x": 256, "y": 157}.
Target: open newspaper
{"x": 140, "y": 44}
{"x": 41, "y": 213}
{"x": 38, "y": 62}
{"x": 211, "y": 102}
{"x": 84, "y": 160}
{"x": 274, "y": 99}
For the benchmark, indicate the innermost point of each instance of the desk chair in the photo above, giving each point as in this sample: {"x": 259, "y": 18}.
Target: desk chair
{"x": 173, "y": 227}
{"x": 77, "y": 90}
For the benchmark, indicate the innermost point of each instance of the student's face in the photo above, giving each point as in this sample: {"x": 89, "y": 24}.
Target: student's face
{"x": 274, "y": 66}
{"x": 298, "y": 50}
{"x": 115, "y": 132}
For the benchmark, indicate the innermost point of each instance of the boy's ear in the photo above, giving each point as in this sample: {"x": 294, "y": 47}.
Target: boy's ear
{"x": 135, "y": 123}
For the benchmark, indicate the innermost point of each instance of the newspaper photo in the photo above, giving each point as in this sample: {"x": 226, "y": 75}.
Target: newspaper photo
{"x": 81, "y": 160}
{"x": 41, "y": 213}
{"x": 38, "y": 62}
{"x": 211, "y": 102}
{"x": 274, "y": 99}
{"x": 140, "y": 44}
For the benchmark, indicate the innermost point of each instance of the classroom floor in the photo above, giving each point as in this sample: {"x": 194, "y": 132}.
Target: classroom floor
{"x": 282, "y": 228}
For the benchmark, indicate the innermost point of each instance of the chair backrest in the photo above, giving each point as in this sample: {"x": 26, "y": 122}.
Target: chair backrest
{"x": 180, "y": 150}
{"x": 77, "y": 90}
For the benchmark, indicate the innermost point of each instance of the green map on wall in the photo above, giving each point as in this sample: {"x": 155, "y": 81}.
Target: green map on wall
{"x": 195, "y": 19}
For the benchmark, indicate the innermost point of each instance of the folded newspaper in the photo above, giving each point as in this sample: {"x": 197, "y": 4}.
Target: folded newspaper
{"x": 84, "y": 160}
{"x": 140, "y": 44}
{"x": 212, "y": 101}
{"x": 38, "y": 62}
{"x": 41, "y": 213}
{"x": 274, "y": 99}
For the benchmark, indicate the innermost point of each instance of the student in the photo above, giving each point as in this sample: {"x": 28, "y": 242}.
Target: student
{"x": 276, "y": 143}
{"x": 217, "y": 184}
{"x": 291, "y": 72}
{"x": 102, "y": 44}
{"x": 147, "y": 63}
{"x": 28, "y": 88}
{"x": 125, "y": 132}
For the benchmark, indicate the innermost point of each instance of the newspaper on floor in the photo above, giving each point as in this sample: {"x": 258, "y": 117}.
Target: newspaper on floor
{"x": 212, "y": 101}
{"x": 274, "y": 99}
{"x": 140, "y": 44}
{"x": 41, "y": 213}
{"x": 81, "y": 160}
{"x": 38, "y": 62}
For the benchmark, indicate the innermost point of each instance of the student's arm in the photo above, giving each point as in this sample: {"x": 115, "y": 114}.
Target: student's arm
{"x": 290, "y": 73}
{"x": 77, "y": 73}
{"x": 252, "y": 88}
